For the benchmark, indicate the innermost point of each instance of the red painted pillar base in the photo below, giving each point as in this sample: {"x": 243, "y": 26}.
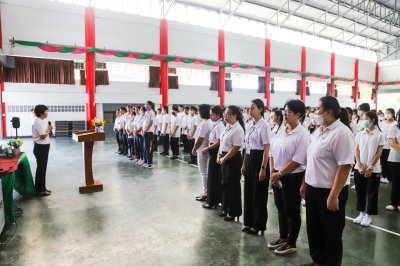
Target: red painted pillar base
{"x": 90, "y": 66}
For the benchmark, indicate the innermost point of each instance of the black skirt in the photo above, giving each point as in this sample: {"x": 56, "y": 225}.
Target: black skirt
{"x": 231, "y": 190}
{"x": 214, "y": 192}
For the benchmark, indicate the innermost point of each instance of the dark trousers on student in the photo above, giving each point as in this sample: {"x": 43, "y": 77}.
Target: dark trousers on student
{"x": 193, "y": 158}
{"x": 255, "y": 192}
{"x": 155, "y": 141}
{"x": 325, "y": 227}
{"x": 139, "y": 146}
{"x": 124, "y": 142}
{"x": 231, "y": 190}
{"x": 175, "y": 146}
{"x": 185, "y": 142}
{"x": 367, "y": 188}
{"x": 214, "y": 191}
{"x": 166, "y": 144}
{"x": 131, "y": 146}
{"x": 287, "y": 201}
{"x": 384, "y": 163}
{"x": 394, "y": 170}
{"x": 148, "y": 148}
{"x": 118, "y": 141}
{"x": 41, "y": 152}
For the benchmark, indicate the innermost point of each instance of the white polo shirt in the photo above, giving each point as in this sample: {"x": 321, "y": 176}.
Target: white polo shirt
{"x": 259, "y": 134}
{"x": 233, "y": 135}
{"x": 329, "y": 149}
{"x": 216, "y": 131}
{"x": 291, "y": 146}
{"x": 184, "y": 124}
{"x": 117, "y": 123}
{"x": 394, "y": 133}
{"x": 122, "y": 121}
{"x": 175, "y": 121}
{"x": 368, "y": 143}
{"x": 276, "y": 129}
{"x": 139, "y": 122}
{"x": 131, "y": 127}
{"x": 203, "y": 131}
{"x": 39, "y": 128}
{"x": 165, "y": 122}
{"x": 148, "y": 117}
{"x": 157, "y": 124}
{"x": 385, "y": 129}
{"x": 192, "y": 122}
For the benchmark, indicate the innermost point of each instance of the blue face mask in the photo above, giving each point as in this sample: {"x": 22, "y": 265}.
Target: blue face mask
{"x": 367, "y": 125}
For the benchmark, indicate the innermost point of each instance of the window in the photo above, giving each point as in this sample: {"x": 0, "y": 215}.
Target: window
{"x": 284, "y": 84}
{"x": 127, "y": 72}
{"x": 317, "y": 87}
{"x": 365, "y": 92}
{"x": 344, "y": 89}
{"x": 190, "y": 76}
{"x": 244, "y": 81}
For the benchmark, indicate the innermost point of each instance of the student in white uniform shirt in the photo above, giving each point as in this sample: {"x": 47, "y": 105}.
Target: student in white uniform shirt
{"x": 165, "y": 130}
{"x": 148, "y": 129}
{"x": 385, "y": 126}
{"x": 41, "y": 131}
{"x": 330, "y": 157}
{"x": 175, "y": 132}
{"x": 288, "y": 163}
{"x": 353, "y": 124}
{"x": 230, "y": 159}
{"x": 277, "y": 118}
{"x": 184, "y": 127}
{"x": 201, "y": 142}
{"x": 193, "y": 123}
{"x": 214, "y": 191}
{"x": 117, "y": 128}
{"x": 139, "y": 136}
{"x": 122, "y": 123}
{"x": 367, "y": 171}
{"x": 130, "y": 130}
{"x": 255, "y": 168}
{"x": 394, "y": 165}
{"x": 361, "y": 110}
{"x": 157, "y": 129}
{"x": 127, "y": 117}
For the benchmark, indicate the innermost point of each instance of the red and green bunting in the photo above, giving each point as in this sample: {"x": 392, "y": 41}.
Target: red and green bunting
{"x": 168, "y": 58}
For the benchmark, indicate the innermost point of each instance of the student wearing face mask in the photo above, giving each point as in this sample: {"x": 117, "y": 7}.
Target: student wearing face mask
{"x": 367, "y": 170}
{"x": 394, "y": 165}
{"x": 361, "y": 110}
{"x": 385, "y": 126}
{"x": 330, "y": 157}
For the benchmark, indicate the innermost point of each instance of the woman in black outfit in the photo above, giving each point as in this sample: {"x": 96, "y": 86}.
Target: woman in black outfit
{"x": 230, "y": 159}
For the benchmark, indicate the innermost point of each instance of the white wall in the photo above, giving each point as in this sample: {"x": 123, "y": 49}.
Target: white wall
{"x": 318, "y": 62}
{"x": 248, "y": 50}
{"x": 344, "y": 66}
{"x": 122, "y": 92}
{"x": 366, "y": 70}
{"x": 285, "y": 56}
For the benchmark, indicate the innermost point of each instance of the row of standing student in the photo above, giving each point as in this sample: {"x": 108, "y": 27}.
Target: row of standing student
{"x": 316, "y": 169}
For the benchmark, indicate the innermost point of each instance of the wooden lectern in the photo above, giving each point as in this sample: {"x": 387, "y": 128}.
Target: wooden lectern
{"x": 88, "y": 138}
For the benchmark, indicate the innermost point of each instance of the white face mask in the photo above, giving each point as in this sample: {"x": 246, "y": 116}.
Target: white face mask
{"x": 388, "y": 116}
{"x": 360, "y": 113}
{"x": 319, "y": 119}
{"x": 353, "y": 117}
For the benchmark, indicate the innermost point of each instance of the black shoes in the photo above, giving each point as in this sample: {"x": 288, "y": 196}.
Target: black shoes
{"x": 231, "y": 218}
{"x": 208, "y": 206}
{"x": 222, "y": 214}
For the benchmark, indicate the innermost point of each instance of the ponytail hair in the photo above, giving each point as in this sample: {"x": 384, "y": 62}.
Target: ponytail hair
{"x": 374, "y": 116}
{"x": 344, "y": 117}
{"x": 260, "y": 105}
{"x": 236, "y": 112}
{"x": 331, "y": 103}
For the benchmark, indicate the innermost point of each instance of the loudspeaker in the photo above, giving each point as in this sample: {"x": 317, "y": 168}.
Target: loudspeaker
{"x": 15, "y": 122}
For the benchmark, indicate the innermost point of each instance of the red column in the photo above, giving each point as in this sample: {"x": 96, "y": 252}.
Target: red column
{"x": 3, "y": 105}
{"x": 356, "y": 83}
{"x": 333, "y": 59}
{"x": 303, "y": 78}
{"x": 376, "y": 86}
{"x": 268, "y": 73}
{"x": 164, "y": 65}
{"x": 90, "y": 65}
{"x": 221, "y": 74}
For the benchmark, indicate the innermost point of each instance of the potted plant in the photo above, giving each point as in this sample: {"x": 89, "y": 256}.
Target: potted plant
{"x": 98, "y": 124}
{"x": 15, "y": 144}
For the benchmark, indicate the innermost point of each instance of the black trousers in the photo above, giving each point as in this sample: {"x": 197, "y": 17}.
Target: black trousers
{"x": 231, "y": 190}
{"x": 175, "y": 146}
{"x": 325, "y": 227}
{"x": 185, "y": 142}
{"x": 214, "y": 191}
{"x": 367, "y": 188}
{"x": 124, "y": 142}
{"x": 148, "y": 148}
{"x": 193, "y": 158}
{"x": 166, "y": 144}
{"x": 287, "y": 201}
{"x": 118, "y": 141}
{"x": 131, "y": 146}
{"x": 139, "y": 147}
{"x": 255, "y": 193}
{"x": 155, "y": 142}
{"x": 384, "y": 163}
{"x": 41, "y": 152}
{"x": 394, "y": 170}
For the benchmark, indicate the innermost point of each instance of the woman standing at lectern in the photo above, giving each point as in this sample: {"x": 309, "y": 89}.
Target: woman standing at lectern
{"x": 40, "y": 135}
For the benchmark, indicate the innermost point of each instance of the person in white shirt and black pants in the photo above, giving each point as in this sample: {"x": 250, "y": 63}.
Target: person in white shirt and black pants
{"x": 394, "y": 165}
{"x": 148, "y": 129}
{"x": 165, "y": 128}
{"x": 287, "y": 164}
{"x": 367, "y": 171}
{"x": 175, "y": 132}
{"x": 41, "y": 131}
{"x": 230, "y": 159}
{"x": 255, "y": 169}
{"x": 330, "y": 157}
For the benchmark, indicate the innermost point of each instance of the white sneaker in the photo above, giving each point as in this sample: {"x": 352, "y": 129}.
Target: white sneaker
{"x": 384, "y": 180}
{"x": 353, "y": 187}
{"x": 144, "y": 165}
{"x": 140, "y": 162}
{"x": 390, "y": 207}
{"x": 366, "y": 221}
{"x": 359, "y": 218}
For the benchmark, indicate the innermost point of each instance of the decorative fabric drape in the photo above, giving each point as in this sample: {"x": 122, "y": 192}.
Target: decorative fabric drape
{"x": 353, "y": 92}
{"x": 101, "y": 77}
{"x": 214, "y": 77}
{"x": 272, "y": 85}
{"x": 373, "y": 94}
{"x": 155, "y": 78}
{"x": 307, "y": 89}
{"x": 83, "y": 76}
{"x": 328, "y": 90}
{"x": 261, "y": 85}
{"x": 228, "y": 85}
{"x": 298, "y": 87}
{"x": 173, "y": 82}
{"x": 40, "y": 70}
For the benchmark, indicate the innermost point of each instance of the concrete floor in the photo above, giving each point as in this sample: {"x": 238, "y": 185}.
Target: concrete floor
{"x": 150, "y": 217}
